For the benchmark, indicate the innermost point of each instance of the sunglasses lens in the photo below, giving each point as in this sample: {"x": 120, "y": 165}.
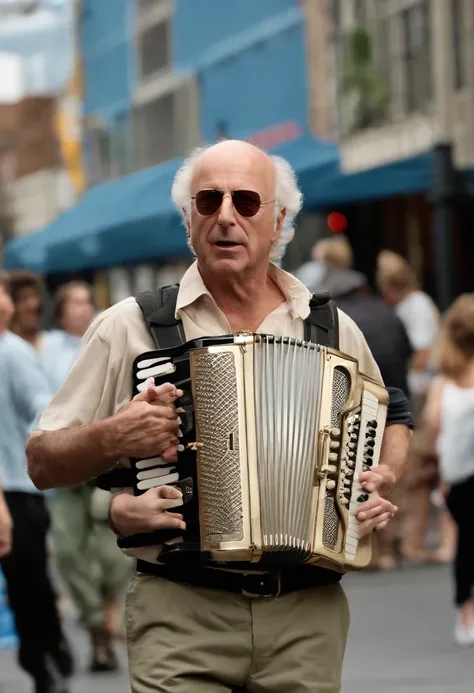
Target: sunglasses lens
{"x": 208, "y": 202}
{"x": 246, "y": 202}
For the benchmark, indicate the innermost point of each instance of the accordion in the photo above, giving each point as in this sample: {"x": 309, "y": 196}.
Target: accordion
{"x": 275, "y": 434}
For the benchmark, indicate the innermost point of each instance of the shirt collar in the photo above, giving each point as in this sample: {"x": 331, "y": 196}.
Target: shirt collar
{"x": 297, "y": 295}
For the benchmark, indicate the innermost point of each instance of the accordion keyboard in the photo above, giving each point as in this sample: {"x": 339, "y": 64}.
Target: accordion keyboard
{"x": 365, "y": 427}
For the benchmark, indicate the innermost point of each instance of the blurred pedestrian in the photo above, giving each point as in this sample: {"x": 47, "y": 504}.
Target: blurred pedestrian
{"x": 94, "y": 569}
{"x": 388, "y": 341}
{"x": 27, "y": 292}
{"x": 311, "y": 273}
{"x": 449, "y": 416}
{"x": 24, "y": 394}
{"x": 398, "y": 285}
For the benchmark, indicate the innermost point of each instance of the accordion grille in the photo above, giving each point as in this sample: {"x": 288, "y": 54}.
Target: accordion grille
{"x": 287, "y": 393}
{"x": 340, "y": 392}
{"x": 217, "y": 421}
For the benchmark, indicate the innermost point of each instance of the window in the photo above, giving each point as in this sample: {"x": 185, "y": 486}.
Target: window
{"x": 154, "y": 132}
{"x": 457, "y": 39}
{"x": 417, "y": 67}
{"x": 98, "y": 155}
{"x": 154, "y": 49}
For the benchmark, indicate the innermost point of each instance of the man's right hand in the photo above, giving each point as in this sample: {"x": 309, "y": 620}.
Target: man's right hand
{"x": 148, "y": 424}
{"x": 146, "y": 513}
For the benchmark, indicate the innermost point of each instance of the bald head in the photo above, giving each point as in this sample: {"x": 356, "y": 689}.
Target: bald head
{"x": 236, "y": 161}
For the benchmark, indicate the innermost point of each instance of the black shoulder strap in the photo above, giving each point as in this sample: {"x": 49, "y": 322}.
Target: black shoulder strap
{"x": 322, "y": 324}
{"x": 159, "y": 311}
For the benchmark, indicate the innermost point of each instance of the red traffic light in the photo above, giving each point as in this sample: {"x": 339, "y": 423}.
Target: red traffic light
{"x": 337, "y": 222}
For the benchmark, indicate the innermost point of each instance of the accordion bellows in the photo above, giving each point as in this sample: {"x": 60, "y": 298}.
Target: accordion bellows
{"x": 283, "y": 430}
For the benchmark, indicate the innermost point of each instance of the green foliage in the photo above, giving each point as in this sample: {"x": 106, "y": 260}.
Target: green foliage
{"x": 363, "y": 87}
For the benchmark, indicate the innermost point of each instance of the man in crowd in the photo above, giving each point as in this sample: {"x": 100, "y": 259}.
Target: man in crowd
{"x": 27, "y": 292}
{"x": 397, "y": 283}
{"x": 24, "y": 394}
{"x": 93, "y": 568}
{"x": 387, "y": 339}
{"x": 184, "y": 634}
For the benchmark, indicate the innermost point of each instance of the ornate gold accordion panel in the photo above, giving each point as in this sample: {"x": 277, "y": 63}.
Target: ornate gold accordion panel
{"x": 284, "y": 428}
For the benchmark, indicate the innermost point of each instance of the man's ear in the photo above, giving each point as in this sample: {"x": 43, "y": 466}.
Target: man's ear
{"x": 279, "y": 225}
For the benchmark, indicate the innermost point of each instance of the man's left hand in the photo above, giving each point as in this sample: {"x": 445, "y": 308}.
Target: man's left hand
{"x": 376, "y": 512}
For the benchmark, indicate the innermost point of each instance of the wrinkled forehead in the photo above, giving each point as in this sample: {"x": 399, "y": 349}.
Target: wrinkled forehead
{"x": 226, "y": 171}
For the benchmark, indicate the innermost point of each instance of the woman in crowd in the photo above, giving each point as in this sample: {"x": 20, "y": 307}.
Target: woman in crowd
{"x": 449, "y": 416}
{"x": 417, "y": 311}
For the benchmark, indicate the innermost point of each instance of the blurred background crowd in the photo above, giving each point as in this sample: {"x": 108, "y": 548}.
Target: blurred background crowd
{"x": 371, "y": 101}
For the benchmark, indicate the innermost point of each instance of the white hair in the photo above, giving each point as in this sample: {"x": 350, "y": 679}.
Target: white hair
{"x": 287, "y": 196}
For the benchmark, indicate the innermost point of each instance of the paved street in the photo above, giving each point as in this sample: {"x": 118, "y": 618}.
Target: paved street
{"x": 400, "y": 641}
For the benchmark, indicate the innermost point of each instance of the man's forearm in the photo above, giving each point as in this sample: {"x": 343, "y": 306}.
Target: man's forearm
{"x": 395, "y": 447}
{"x": 64, "y": 458}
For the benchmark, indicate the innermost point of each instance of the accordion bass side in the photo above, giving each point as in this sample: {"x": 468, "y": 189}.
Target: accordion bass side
{"x": 283, "y": 430}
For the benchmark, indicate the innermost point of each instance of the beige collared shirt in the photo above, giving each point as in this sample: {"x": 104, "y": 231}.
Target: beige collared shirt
{"x": 100, "y": 383}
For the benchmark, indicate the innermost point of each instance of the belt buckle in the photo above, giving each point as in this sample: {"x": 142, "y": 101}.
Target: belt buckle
{"x": 248, "y": 593}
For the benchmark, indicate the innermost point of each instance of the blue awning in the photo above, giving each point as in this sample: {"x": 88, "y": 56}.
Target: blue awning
{"x": 133, "y": 220}
{"x": 404, "y": 177}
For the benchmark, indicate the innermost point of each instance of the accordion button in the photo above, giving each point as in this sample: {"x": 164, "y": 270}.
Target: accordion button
{"x": 332, "y": 469}
{"x": 365, "y": 468}
{"x": 333, "y": 457}
{"x": 334, "y": 444}
{"x": 335, "y": 432}
{"x": 331, "y": 485}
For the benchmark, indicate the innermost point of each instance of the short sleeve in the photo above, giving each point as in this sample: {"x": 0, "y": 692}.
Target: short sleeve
{"x": 87, "y": 393}
{"x": 352, "y": 342}
{"x": 421, "y": 321}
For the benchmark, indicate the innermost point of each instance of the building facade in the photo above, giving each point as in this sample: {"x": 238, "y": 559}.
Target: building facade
{"x": 32, "y": 177}
{"x": 402, "y": 83}
{"x": 163, "y": 76}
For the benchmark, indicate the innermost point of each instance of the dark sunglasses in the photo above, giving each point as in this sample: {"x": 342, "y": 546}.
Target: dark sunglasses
{"x": 246, "y": 202}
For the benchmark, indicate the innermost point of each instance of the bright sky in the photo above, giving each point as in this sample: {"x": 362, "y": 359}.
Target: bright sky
{"x": 27, "y": 62}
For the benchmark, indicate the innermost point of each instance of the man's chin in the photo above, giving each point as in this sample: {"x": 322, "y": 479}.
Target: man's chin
{"x": 227, "y": 265}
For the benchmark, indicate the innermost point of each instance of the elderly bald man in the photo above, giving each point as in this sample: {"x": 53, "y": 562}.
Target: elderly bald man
{"x": 184, "y": 637}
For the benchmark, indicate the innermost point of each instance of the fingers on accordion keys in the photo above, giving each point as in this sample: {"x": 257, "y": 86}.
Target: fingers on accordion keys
{"x": 186, "y": 486}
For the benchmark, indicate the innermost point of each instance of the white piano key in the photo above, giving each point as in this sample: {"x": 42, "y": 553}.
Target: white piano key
{"x": 153, "y": 472}
{"x": 159, "y": 369}
{"x": 157, "y": 481}
{"x": 369, "y": 412}
{"x": 151, "y": 462}
{"x": 146, "y": 363}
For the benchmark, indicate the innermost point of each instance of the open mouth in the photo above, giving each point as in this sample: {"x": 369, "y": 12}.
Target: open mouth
{"x": 227, "y": 244}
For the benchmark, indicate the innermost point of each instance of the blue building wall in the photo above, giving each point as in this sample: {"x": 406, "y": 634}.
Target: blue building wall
{"x": 199, "y": 25}
{"x": 251, "y": 61}
{"x": 256, "y": 88}
{"x": 107, "y": 47}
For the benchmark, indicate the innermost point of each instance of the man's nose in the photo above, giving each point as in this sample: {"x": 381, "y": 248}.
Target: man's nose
{"x": 226, "y": 211}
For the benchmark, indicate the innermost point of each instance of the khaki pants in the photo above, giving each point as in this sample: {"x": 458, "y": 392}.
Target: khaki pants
{"x": 184, "y": 639}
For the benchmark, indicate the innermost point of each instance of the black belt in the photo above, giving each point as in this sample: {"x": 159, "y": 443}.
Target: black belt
{"x": 271, "y": 584}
